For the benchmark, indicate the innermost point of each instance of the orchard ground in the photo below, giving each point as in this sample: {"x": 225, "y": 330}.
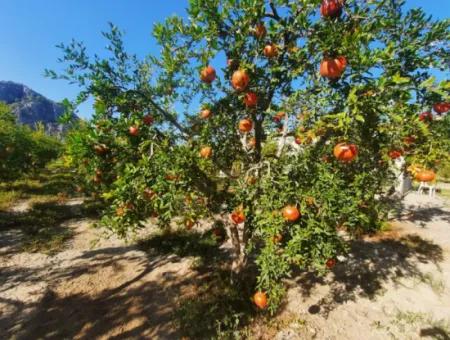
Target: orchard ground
{"x": 61, "y": 278}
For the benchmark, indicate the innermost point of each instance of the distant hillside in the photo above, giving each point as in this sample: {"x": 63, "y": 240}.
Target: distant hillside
{"x": 31, "y": 107}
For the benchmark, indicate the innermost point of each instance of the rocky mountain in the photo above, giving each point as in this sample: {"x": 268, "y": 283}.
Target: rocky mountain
{"x": 31, "y": 107}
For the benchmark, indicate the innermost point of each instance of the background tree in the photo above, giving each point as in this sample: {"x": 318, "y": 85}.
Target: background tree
{"x": 23, "y": 150}
{"x": 186, "y": 134}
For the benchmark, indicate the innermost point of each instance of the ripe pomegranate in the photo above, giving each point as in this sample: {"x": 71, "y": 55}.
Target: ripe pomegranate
{"x": 260, "y": 30}
{"x": 426, "y": 116}
{"x": 237, "y": 216}
{"x": 147, "y": 120}
{"x": 208, "y": 74}
{"x": 206, "y": 152}
{"x": 245, "y": 125}
{"x": 298, "y": 140}
{"x": 270, "y": 51}
{"x": 441, "y": 108}
{"x": 333, "y": 68}
{"x": 394, "y": 154}
{"x": 251, "y": 99}
{"x": 251, "y": 180}
{"x": 240, "y": 80}
{"x": 277, "y": 238}
{"x": 291, "y": 213}
{"x": 133, "y": 131}
{"x": 345, "y": 152}
{"x": 331, "y": 8}
{"x": 205, "y": 114}
{"x": 260, "y": 300}
{"x": 120, "y": 211}
{"x": 425, "y": 176}
{"x": 330, "y": 263}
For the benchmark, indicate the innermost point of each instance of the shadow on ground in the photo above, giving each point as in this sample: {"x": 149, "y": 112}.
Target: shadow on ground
{"x": 217, "y": 306}
{"x": 370, "y": 264}
{"x": 424, "y": 215}
{"x": 419, "y": 215}
{"x": 202, "y": 304}
{"x": 146, "y": 305}
{"x": 435, "y": 333}
{"x": 132, "y": 308}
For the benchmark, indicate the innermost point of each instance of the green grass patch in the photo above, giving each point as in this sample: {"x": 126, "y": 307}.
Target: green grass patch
{"x": 445, "y": 193}
{"x": 436, "y": 283}
{"x": 9, "y": 198}
{"x": 42, "y": 187}
{"x": 46, "y": 183}
{"x": 42, "y": 225}
{"x": 218, "y": 310}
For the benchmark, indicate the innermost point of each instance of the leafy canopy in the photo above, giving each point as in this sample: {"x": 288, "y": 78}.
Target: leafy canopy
{"x": 384, "y": 61}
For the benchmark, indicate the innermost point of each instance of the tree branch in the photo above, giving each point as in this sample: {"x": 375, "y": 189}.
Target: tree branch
{"x": 168, "y": 116}
{"x": 282, "y": 141}
{"x": 164, "y": 113}
{"x": 274, "y": 11}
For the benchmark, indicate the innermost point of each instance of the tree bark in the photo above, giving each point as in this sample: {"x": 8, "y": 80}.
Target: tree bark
{"x": 238, "y": 240}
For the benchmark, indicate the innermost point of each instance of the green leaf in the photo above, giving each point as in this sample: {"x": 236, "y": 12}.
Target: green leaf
{"x": 360, "y": 118}
{"x": 397, "y": 79}
{"x": 428, "y": 83}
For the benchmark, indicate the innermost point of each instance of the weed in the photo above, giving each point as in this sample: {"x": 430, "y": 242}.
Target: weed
{"x": 445, "y": 193}
{"x": 8, "y": 199}
{"x": 219, "y": 310}
{"x": 407, "y": 321}
{"x": 437, "y": 284}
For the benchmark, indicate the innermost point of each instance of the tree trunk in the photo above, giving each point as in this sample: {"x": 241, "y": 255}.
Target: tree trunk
{"x": 238, "y": 239}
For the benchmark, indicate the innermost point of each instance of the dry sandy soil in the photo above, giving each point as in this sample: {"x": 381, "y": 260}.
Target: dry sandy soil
{"x": 395, "y": 285}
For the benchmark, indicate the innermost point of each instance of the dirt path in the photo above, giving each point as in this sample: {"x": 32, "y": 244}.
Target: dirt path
{"x": 394, "y": 286}
{"x": 95, "y": 289}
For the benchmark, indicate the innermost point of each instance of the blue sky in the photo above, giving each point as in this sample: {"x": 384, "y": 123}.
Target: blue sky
{"x": 30, "y": 29}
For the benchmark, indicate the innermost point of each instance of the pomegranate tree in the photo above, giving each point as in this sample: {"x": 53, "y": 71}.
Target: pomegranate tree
{"x": 351, "y": 79}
